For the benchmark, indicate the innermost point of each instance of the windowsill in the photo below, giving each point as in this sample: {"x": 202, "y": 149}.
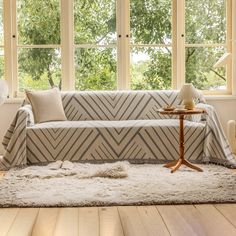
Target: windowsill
{"x": 14, "y": 101}
{"x": 220, "y": 97}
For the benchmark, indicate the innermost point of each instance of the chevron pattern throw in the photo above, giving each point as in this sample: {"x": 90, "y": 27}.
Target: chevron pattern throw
{"x": 108, "y": 126}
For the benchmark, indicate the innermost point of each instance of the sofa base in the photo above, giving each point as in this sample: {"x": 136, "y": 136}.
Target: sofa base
{"x": 138, "y": 141}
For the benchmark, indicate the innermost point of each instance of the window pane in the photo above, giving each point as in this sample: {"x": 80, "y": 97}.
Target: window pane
{"x": 205, "y": 21}
{"x": 38, "y": 21}
{"x": 39, "y": 68}
{"x": 95, "y": 21}
{"x": 150, "y": 21}
{"x": 1, "y": 23}
{"x": 151, "y": 68}
{"x": 2, "y": 64}
{"x": 200, "y": 71}
{"x": 95, "y": 69}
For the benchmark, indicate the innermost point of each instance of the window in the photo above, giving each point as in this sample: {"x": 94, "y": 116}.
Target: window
{"x": 38, "y": 44}
{"x": 151, "y": 49}
{"x": 117, "y": 44}
{"x": 206, "y": 38}
{"x": 95, "y": 45}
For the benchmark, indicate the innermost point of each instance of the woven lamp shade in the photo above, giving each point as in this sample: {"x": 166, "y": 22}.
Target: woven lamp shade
{"x": 188, "y": 93}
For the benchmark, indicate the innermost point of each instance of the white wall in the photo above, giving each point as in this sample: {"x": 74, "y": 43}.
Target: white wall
{"x": 226, "y": 109}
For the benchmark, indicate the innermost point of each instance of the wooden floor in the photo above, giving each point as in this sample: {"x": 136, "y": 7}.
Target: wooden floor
{"x": 181, "y": 220}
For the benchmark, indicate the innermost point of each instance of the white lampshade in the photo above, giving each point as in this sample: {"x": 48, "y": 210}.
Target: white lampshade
{"x": 188, "y": 92}
{"x": 223, "y": 60}
{"x": 3, "y": 91}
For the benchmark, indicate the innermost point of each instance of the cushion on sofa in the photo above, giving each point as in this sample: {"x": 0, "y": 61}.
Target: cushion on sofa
{"x": 46, "y": 105}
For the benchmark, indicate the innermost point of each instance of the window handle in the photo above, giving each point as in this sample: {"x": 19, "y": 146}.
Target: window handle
{"x": 128, "y": 35}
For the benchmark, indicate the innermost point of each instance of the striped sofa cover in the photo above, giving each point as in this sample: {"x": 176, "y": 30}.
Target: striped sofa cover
{"x": 109, "y": 126}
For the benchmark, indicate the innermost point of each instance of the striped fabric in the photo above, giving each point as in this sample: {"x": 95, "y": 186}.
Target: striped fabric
{"x": 117, "y": 105}
{"x": 120, "y": 125}
{"x": 133, "y": 140}
{"x": 216, "y": 146}
{"x": 14, "y": 140}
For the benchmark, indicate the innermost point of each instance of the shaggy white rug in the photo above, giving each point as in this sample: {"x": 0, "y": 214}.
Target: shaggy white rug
{"x": 73, "y": 184}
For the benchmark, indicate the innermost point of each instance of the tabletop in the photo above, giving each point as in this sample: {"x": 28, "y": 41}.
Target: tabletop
{"x": 181, "y": 112}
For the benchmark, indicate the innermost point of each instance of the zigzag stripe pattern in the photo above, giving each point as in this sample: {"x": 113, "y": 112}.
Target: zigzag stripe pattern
{"x": 109, "y": 126}
{"x": 117, "y": 105}
{"x": 142, "y": 140}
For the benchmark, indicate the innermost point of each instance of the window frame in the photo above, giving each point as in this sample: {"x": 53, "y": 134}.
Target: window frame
{"x": 123, "y": 46}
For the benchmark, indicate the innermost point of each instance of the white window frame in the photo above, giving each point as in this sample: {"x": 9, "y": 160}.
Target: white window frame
{"x": 123, "y": 45}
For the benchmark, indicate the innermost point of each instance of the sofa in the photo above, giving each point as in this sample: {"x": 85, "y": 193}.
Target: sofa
{"x": 108, "y": 126}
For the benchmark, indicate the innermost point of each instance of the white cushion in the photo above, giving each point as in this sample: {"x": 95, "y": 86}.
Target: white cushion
{"x": 46, "y": 105}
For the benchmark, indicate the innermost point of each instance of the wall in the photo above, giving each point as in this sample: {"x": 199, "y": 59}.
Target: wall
{"x": 226, "y": 109}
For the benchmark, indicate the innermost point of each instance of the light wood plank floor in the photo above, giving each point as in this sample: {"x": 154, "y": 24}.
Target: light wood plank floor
{"x": 189, "y": 220}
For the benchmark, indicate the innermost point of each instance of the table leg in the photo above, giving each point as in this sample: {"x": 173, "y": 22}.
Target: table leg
{"x": 174, "y": 165}
{"x": 181, "y": 144}
{"x": 187, "y": 163}
{"x": 181, "y": 137}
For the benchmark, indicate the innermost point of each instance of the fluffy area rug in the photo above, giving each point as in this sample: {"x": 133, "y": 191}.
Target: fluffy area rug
{"x": 121, "y": 183}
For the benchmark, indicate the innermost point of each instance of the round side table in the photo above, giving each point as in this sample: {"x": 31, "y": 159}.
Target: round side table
{"x": 174, "y": 165}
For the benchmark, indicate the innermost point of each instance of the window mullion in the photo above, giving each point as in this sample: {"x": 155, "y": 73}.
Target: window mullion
{"x": 8, "y": 40}
{"x": 14, "y": 39}
{"x": 174, "y": 44}
{"x": 229, "y": 44}
{"x": 123, "y": 50}
{"x": 67, "y": 45}
{"x": 233, "y": 29}
{"x": 178, "y": 39}
{"x": 180, "y": 30}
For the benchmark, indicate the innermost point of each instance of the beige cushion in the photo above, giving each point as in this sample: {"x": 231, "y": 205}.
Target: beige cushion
{"x": 46, "y": 105}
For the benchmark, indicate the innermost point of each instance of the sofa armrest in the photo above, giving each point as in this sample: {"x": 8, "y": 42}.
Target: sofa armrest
{"x": 216, "y": 148}
{"x": 27, "y": 110}
{"x": 231, "y": 134}
{"x": 24, "y": 118}
{"x": 14, "y": 140}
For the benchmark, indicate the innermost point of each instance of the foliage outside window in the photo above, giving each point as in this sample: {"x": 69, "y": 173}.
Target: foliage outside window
{"x": 151, "y": 27}
{"x": 205, "y": 23}
{"x": 38, "y": 23}
{"x": 96, "y": 48}
{"x": 95, "y": 40}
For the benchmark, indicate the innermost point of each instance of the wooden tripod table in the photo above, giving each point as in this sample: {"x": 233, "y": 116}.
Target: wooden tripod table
{"x": 174, "y": 165}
